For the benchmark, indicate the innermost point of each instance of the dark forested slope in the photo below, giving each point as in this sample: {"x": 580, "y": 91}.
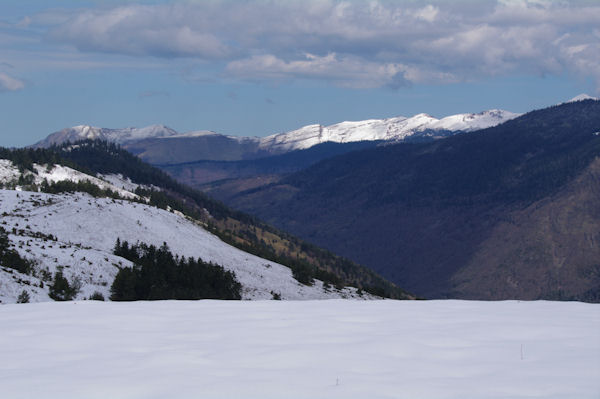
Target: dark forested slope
{"x": 433, "y": 217}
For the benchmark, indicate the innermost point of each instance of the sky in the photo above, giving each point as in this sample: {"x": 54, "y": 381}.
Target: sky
{"x": 258, "y": 67}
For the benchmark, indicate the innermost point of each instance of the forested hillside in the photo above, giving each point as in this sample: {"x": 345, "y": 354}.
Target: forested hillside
{"x": 427, "y": 215}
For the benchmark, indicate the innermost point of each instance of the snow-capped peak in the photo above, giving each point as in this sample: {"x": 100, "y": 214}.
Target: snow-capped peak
{"x": 582, "y": 97}
{"x": 390, "y": 129}
{"x": 120, "y": 136}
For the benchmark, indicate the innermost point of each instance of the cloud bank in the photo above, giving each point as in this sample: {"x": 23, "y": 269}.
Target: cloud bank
{"x": 352, "y": 43}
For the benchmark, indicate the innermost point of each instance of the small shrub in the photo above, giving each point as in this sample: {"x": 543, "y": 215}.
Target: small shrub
{"x": 23, "y": 297}
{"x": 96, "y": 296}
{"x": 61, "y": 290}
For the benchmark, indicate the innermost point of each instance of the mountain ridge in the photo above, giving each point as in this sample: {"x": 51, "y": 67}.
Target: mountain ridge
{"x": 390, "y": 129}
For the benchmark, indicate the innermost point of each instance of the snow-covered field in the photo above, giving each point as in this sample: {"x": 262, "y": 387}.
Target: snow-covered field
{"x": 310, "y": 349}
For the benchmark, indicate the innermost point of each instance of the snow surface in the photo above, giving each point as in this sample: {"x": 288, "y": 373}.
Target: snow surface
{"x": 118, "y": 180}
{"x": 87, "y": 228}
{"x": 310, "y": 349}
{"x": 62, "y": 173}
{"x": 9, "y": 172}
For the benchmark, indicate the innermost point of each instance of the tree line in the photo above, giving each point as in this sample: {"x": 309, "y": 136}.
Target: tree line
{"x": 157, "y": 274}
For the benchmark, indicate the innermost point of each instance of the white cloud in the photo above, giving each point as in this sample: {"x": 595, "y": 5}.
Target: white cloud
{"x": 428, "y": 13}
{"x": 8, "y": 83}
{"x": 357, "y": 44}
{"x": 346, "y": 72}
{"x": 141, "y": 30}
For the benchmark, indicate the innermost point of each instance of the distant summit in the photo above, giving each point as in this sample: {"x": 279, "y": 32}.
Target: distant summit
{"x": 581, "y": 97}
{"x": 119, "y": 136}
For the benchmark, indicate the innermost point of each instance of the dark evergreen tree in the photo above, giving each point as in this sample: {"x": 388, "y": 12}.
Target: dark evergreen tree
{"x": 11, "y": 258}
{"x": 61, "y": 290}
{"x": 96, "y": 296}
{"x": 23, "y": 297}
{"x": 157, "y": 274}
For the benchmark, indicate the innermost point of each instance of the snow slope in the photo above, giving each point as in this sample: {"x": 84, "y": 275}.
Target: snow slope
{"x": 86, "y": 230}
{"x": 10, "y": 173}
{"x": 311, "y": 349}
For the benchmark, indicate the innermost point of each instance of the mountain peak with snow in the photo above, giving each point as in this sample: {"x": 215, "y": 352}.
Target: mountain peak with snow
{"x": 389, "y": 129}
{"x": 119, "y": 136}
{"x": 582, "y": 97}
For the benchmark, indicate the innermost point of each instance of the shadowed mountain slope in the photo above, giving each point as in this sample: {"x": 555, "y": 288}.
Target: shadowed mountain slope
{"x": 507, "y": 212}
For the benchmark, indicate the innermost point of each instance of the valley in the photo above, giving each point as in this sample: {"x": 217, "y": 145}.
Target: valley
{"x": 508, "y": 212}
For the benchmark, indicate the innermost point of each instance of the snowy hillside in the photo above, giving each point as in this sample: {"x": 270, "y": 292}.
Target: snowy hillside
{"x": 9, "y": 175}
{"x": 311, "y": 349}
{"x": 76, "y": 233}
{"x": 392, "y": 129}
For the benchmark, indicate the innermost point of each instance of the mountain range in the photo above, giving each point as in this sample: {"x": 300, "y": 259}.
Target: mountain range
{"x": 159, "y": 144}
{"x": 507, "y": 209}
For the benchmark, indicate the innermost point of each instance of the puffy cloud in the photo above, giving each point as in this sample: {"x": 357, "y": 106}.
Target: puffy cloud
{"x": 8, "y": 83}
{"x": 356, "y": 44}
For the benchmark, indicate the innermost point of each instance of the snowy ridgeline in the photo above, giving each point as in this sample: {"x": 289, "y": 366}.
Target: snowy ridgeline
{"x": 9, "y": 173}
{"x": 309, "y": 349}
{"x": 77, "y": 233}
{"x": 393, "y": 129}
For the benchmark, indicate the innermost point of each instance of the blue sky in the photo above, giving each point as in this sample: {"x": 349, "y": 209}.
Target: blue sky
{"x": 265, "y": 66}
